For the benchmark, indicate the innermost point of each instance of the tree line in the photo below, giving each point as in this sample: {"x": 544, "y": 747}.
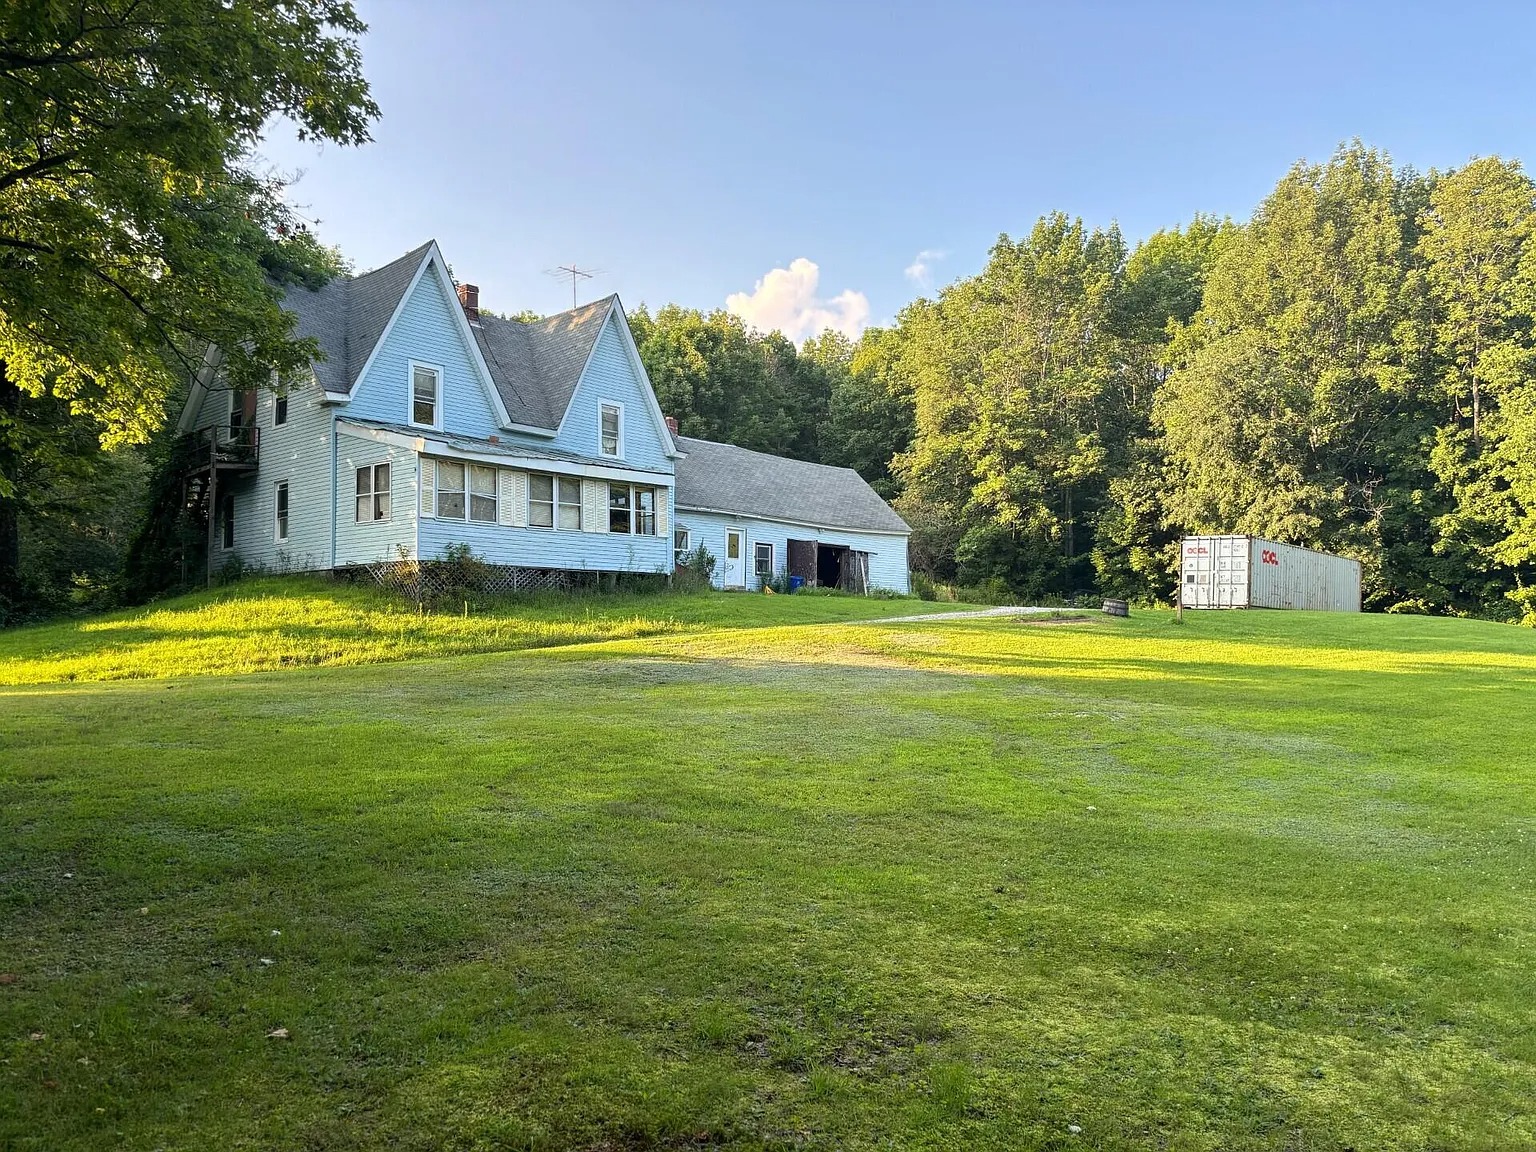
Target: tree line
{"x": 1352, "y": 369}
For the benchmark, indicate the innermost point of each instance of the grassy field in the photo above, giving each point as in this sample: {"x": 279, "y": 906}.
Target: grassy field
{"x": 286, "y": 622}
{"x": 1259, "y": 881}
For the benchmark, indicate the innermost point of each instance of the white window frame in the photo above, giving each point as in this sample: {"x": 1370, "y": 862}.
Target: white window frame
{"x": 374, "y": 491}
{"x": 411, "y": 368}
{"x": 619, "y": 439}
{"x": 553, "y": 501}
{"x": 756, "y": 544}
{"x": 562, "y": 505}
{"x": 470, "y": 495}
{"x": 438, "y": 490}
{"x": 679, "y": 551}
{"x": 281, "y": 516}
{"x": 634, "y": 507}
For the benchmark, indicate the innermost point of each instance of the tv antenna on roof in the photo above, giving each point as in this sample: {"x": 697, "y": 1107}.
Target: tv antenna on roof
{"x": 576, "y": 274}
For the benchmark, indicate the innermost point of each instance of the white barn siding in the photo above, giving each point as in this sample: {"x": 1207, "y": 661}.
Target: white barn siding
{"x": 887, "y": 552}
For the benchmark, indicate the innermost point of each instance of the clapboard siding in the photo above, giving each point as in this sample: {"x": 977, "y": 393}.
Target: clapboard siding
{"x": 611, "y": 376}
{"x": 546, "y": 548}
{"x": 887, "y": 554}
{"x": 299, "y": 452}
{"x": 374, "y": 540}
{"x": 426, "y": 331}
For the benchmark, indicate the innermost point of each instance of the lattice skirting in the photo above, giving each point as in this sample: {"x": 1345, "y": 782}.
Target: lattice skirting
{"x": 431, "y": 579}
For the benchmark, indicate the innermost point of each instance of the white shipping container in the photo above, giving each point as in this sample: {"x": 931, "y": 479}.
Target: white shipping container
{"x": 1250, "y": 572}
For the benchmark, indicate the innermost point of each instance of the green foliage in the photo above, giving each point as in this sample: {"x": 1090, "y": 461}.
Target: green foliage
{"x": 135, "y": 227}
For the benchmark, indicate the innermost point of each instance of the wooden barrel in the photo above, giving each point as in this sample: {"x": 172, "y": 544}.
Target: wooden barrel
{"x": 1116, "y": 608}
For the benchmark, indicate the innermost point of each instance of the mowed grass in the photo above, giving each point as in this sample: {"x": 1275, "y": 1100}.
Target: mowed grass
{"x": 1259, "y": 881}
{"x": 284, "y": 622}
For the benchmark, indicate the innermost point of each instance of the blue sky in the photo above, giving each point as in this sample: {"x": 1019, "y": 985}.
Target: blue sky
{"x": 689, "y": 150}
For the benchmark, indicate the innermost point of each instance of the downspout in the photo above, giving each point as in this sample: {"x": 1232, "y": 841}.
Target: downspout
{"x": 334, "y": 459}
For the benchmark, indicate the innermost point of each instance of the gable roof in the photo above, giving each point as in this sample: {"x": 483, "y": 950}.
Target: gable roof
{"x": 724, "y": 478}
{"x": 537, "y": 364}
{"x": 348, "y": 316}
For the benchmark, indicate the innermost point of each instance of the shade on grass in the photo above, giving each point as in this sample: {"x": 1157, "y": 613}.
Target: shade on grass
{"x": 1259, "y": 881}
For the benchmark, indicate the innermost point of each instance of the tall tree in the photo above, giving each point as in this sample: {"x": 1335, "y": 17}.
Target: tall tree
{"x": 134, "y": 228}
{"x": 1298, "y": 410}
{"x": 1012, "y": 373}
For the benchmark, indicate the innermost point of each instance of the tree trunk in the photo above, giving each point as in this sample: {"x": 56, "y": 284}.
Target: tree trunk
{"x": 10, "y": 508}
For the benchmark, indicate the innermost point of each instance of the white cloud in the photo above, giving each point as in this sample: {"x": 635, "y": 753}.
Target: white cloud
{"x": 786, "y": 299}
{"x": 920, "y": 271}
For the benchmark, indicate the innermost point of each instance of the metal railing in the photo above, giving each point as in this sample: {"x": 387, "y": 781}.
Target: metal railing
{"x": 226, "y": 445}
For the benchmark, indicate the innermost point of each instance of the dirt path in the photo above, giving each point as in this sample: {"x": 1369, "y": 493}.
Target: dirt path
{"x": 980, "y": 613}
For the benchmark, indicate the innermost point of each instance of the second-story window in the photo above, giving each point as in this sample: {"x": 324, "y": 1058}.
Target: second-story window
{"x": 279, "y": 411}
{"x": 612, "y": 419}
{"x": 426, "y": 396}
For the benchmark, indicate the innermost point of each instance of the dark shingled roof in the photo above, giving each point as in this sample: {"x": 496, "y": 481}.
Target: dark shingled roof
{"x": 347, "y": 316}
{"x": 725, "y": 478}
{"x": 537, "y": 364}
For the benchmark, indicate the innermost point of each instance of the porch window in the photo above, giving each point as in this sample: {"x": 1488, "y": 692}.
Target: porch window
{"x": 541, "y": 501}
{"x": 450, "y": 490}
{"x": 280, "y": 513}
{"x": 570, "y": 503}
{"x": 762, "y": 561}
{"x": 619, "y": 508}
{"x": 482, "y": 493}
{"x": 632, "y": 508}
{"x": 612, "y": 420}
{"x": 681, "y": 546}
{"x": 645, "y": 511}
{"x": 425, "y": 399}
{"x": 373, "y": 493}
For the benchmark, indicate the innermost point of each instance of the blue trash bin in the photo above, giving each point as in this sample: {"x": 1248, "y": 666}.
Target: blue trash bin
{"x": 796, "y": 583}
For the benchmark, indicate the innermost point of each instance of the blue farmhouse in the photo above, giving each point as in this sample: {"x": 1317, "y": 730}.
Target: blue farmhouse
{"x": 539, "y": 445}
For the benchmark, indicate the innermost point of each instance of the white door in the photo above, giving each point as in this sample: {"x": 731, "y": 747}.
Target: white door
{"x": 734, "y": 573}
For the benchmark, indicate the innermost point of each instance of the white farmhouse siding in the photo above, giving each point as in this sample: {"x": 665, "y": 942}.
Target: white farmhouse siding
{"x": 427, "y": 332}
{"x": 887, "y": 551}
{"x": 370, "y": 541}
{"x": 296, "y": 452}
{"x": 774, "y": 500}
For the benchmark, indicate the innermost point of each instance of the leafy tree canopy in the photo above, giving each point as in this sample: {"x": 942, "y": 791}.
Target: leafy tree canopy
{"x": 134, "y": 227}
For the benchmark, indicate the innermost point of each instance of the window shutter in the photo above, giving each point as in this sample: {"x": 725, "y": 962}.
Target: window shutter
{"x": 663, "y": 508}
{"x": 428, "y": 487}
{"x": 504, "y": 497}
{"x": 519, "y": 510}
{"x": 593, "y": 506}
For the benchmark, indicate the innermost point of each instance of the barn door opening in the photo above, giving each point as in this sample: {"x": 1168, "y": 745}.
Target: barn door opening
{"x": 801, "y": 560}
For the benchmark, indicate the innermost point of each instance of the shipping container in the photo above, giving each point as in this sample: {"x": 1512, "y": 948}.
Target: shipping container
{"x": 1250, "y": 572}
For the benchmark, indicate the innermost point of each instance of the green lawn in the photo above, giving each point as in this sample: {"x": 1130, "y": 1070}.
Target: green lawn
{"x": 1260, "y": 881}
{"x": 288, "y": 621}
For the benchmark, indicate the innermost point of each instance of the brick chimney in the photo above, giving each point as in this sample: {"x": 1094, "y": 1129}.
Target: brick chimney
{"x": 672, "y": 424}
{"x": 469, "y": 299}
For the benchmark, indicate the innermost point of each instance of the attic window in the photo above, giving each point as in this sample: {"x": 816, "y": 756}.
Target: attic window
{"x": 612, "y": 427}
{"x": 426, "y": 386}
